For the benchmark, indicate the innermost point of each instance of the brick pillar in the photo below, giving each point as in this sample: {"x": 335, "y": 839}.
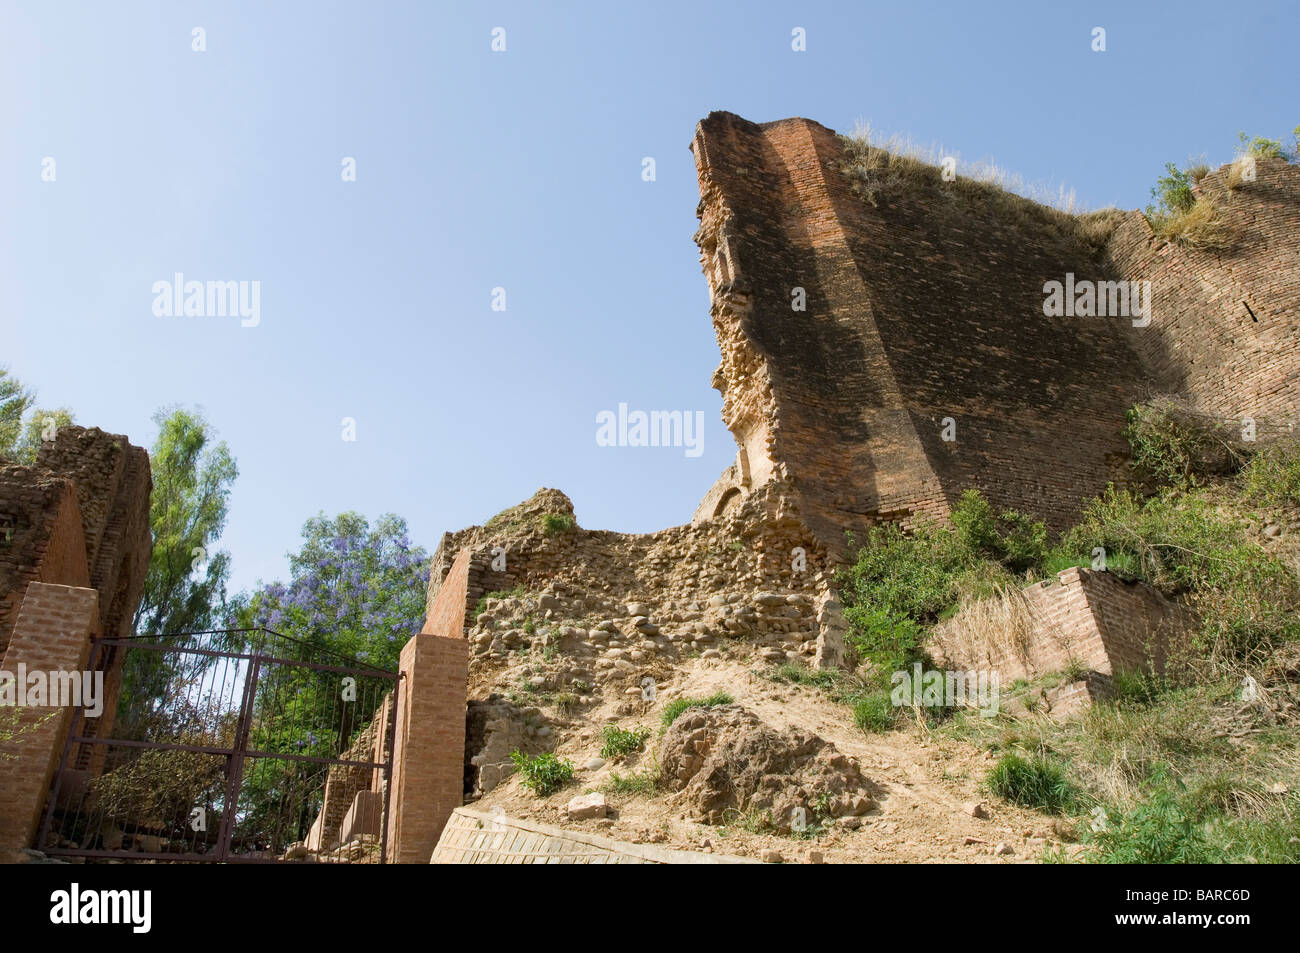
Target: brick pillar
{"x": 51, "y": 634}
{"x": 429, "y": 754}
{"x": 429, "y": 747}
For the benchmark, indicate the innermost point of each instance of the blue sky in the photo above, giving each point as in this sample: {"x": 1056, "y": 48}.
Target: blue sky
{"x": 519, "y": 169}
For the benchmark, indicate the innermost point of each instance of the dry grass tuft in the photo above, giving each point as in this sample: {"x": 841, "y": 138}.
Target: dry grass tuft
{"x": 1198, "y": 227}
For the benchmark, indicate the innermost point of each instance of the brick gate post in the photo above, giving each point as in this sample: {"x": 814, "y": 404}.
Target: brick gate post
{"x": 429, "y": 747}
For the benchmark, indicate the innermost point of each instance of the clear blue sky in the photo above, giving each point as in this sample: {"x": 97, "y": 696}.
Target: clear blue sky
{"x": 519, "y": 169}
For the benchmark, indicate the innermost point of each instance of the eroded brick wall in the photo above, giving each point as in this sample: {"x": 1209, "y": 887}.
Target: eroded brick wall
{"x": 1225, "y": 324}
{"x": 1089, "y": 619}
{"x": 925, "y": 301}
{"x": 40, "y": 537}
{"x": 79, "y": 517}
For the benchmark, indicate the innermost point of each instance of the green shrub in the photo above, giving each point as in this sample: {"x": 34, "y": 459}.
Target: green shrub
{"x": 891, "y": 643}
{"x": 1260, "y": 147}
{"x": 674, "y": 708}
{"x": 621, "y": 741}
{"x": 875, "y": 713}
{"x": 1175, "y": 446}
{"x": 905, "y": 576}
{"x": 1158, "y": 830}
{"x": 1189, "y": 545}
{"x": 801, "y": 674}
{"x": 1035, "y": 782}
{"x": 1272, "y": 476}
{"x": 553, "y": 523}
{"x": 1010, "y": 537}
{"x": 1136, "y": 686}
{"x": 544, "y": 774}
{"x": 638, "y": 782}
{"x": 1172, "y": 193}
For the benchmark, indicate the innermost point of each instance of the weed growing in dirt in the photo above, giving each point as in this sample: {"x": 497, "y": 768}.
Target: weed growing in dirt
{"x": 543, "y": 774}
{"x": 622, "y": 741}
{"x": 675, "y": 708}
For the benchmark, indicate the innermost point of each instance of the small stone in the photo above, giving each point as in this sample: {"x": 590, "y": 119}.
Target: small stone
{"x": 637, "y": 608}
{"x": 593, "y": 764}
{"x": 586, "y": 806}
{"x": 1003, "y": 849}
{"x": 813, "y": 857}
{"x": 770, "y": 856}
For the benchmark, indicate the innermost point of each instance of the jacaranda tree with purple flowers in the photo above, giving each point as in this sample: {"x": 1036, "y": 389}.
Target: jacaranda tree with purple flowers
{"x": 355, "y": 595}
{"x": 354, "y": 590}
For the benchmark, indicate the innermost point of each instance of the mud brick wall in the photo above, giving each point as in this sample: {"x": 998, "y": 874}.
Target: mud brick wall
{"x": 1226, "y": 324}
{"x": 51, "y": 633}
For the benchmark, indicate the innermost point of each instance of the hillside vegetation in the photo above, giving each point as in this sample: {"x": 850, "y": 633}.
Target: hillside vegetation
{"x": 1199, "y": 764}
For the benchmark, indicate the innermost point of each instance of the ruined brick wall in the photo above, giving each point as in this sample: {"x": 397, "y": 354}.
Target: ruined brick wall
{"x": 1225, "y": 323}
{"x": 40, "y": 537}
{"x": 113, "y": 483}
{"x": 925, "y": 301}
{"x": 79, "y": 517}
{"x": 1091, "y": 619}
{"x": 695, "y": 577}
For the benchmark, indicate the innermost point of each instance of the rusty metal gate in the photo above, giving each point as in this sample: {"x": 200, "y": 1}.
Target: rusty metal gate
{"x": 233, "y": 746}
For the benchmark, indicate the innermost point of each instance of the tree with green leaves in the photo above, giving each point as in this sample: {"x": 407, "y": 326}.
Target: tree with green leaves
{"x": 356, "y": 592}
{"x": 23, "y": 428}
{"x": 15, "y": 400}
{"x": 192, "y": 476}
{"x": 185, "y": 588}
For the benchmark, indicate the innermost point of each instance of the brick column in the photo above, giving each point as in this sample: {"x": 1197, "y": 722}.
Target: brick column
{"x": 429, "y": 747}
{"x": 51, "y": 634}
{"x": 429, "y": 750}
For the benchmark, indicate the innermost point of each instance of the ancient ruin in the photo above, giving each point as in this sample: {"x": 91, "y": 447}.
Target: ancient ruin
{"x": 880, "y": 354}
{"x": 74, "y": 551}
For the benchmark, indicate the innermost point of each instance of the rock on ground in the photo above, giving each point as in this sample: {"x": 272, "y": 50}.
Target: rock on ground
{"x": 725, "y": 761}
